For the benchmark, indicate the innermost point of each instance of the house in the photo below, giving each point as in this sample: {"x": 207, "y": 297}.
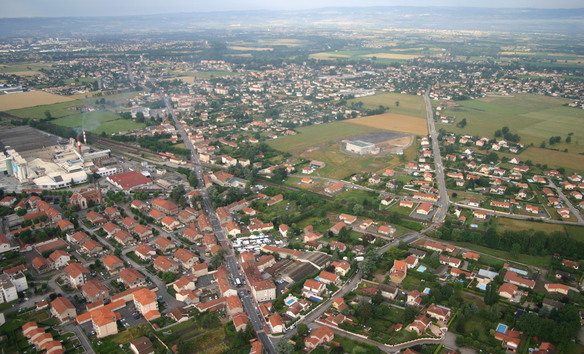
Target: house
{"x": 411, "y": 261}
{"x": 95, "y": 291}
{"x": 63, "y": 309}
{"x": 165, "y": 264}
{"x": 276, "y": 323}
{"x": 439, "y": 313}
{"x": 406, "y": 204}
{"x": 77, "y": 274}
{"x": 131, "y": 278}
{"x": 420, "y": 324}
{"x": 398, "y": 272}
{"x": 513, "y": 278}
{"x": 111, "y": 228}
{"x": 234, "y": 305}
{"x": 275, "y": 199}
{"x": 386, "y": 230}
{"x": 142, "y": 345}
{"x": 96, "y": 218}
{"x": 508, "y": 290}
{"x": 145, "y": 302}
{"x": 42, "y": 265}
{"x": 92, "y": 247}
{"x": 388, "y": 291}
{"x": 144, "y": 252}
{"x": 570, "y": 264}
{"x": 113, "y": 264}
{"x": 341, "y": 268}
{"x": 510, "y": 339}
{"x": 129, "y": 223}
{"x": 424, "y": 208}
{"x": 339, "y": 304}
{"x": 337, "y": 228}
{"x": 312, "y": 287}
{"x": 112, "y": 213}
{"x": 328, "y": 278}
{"x": 165, "y": 206}
{"x": 169, "y": 223}
{"x": 450, "y": 261}
{"x": 139, "y": 205}
{"x": 318, "y": 337}
{"x": 186, "y": 258}
{"x": 142, "y": 231}
{"x": 65, "y": 225}
{"x": 414, "y": 298}
{"x": 348, "y": 219}
{"x": 79, "y": 237}
{"x": 471, "y": 255}
{"x": 335, "y": 188}
{"x": 124, "y": 238}
{"x": 336, "y": 245}
{"x": 60, "y": 259}
{"x": 557, "y": 288}
{"x": 164, "y": 244}
{"x": 531, "y": 209}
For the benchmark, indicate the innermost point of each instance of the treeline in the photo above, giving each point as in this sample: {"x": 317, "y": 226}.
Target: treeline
{"x": 536, "y": 243}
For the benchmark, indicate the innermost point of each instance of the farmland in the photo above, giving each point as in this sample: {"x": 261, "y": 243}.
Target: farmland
{"x": 409, "y": 105}
{"x": 534, "y": 118}
{"x": 394, "y": 122}
{"x": 24, "y": 68}
{"x": 98, "y": 122}
{"x": 392, "y": 55}
{"x": 29, "y": 99}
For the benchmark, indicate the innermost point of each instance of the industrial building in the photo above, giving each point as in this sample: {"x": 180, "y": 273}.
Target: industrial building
{"x": 362, "y": 148}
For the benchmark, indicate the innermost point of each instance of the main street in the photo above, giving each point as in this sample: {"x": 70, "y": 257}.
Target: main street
{"x": 230, "y": 261}
{"x": 438, "y": 167}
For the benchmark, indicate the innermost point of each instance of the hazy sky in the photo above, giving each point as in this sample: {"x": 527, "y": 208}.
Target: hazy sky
{"x": 53, "y": 8}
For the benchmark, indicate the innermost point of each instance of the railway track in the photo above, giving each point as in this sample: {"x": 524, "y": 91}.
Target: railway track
{"x": 119, "y": 145}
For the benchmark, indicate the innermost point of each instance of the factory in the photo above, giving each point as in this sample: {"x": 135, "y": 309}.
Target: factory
{"x": 362, "y": 148}
{"x": 41, "y": 160}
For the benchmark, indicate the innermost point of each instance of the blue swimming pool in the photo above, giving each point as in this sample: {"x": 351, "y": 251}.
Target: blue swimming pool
{"x": 518, "y": 271}
{"x": 290, "y": 302}
{"x": 315, "y": 298}
{"x": 482, "y": 286}
{"x": 502, "y": 328}
{"x": 426, "y": 291}
{"x": 421, "y": 269}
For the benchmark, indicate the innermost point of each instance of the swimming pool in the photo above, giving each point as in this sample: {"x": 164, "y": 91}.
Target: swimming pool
{"x": 421, "y": 269}
{"x": 502, "y": 328}
{"x": 426, "y": 291}
{"x": 290, "y": 302}
{"x": 518, "y": 271}
{"x": 482, "y": 286}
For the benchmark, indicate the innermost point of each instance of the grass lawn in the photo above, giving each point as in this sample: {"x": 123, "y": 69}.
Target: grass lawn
{"x": 318, "y": 134}
{"x": 97, "y": 122}
{"x": 576, "y": 232}
{"x": 394, "y": 122}
{"x": 409, "y": 105}
{"x": 572, "y": 161}
{"x": 23, "y": 67}
{"x": 353, "y": 347}
{"x": 542, "y": 262}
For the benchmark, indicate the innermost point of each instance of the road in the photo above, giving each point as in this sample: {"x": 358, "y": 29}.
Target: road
{"x": 566, "y": 202}
{"x": 81, "y": 335}
{"x": 230, "y": 261}
{"x": 438, "y": 166}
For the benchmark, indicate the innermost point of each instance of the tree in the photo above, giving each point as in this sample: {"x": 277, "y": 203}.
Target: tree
{"x": 284, "y": 347}
{"x": 410, "y": 314}
{"x": 397, "y": 103}
{"x": 491, "y": 294}
{"x": 48, "y": 114}
{"x": 168, "y": 277}
{"x": 302, "y": 329}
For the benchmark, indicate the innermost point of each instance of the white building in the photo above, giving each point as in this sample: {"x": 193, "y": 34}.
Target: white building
{"x": 8, "y": 290}
{"x": 362, "y": 148}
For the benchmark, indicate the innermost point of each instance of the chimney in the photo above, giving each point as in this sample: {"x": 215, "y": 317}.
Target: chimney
{"x": 84, "y": 138}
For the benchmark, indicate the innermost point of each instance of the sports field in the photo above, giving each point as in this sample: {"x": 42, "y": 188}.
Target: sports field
{"x": 29, "y": 99}
{"x": 409, "y": 105}
{"x": 394, "y": 122}
{"x": 98, "y": 122}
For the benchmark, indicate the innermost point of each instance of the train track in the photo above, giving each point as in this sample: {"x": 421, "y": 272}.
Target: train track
{"x": 119, "y": 145}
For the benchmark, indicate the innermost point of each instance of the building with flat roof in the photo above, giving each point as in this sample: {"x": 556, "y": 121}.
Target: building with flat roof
{"x": 362, "y": 148}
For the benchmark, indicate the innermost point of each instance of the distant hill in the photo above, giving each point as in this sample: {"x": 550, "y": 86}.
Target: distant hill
{"x": 563, "y": 21}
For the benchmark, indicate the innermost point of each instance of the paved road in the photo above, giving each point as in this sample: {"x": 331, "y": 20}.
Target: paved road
{"x": 438, "y": 166}
{"x": 566, "y": 202}
{"x": 230, "y": 261}
{"x": 82, "y": 337}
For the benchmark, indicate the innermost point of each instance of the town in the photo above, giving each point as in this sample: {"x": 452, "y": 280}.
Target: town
{"x": 254, "y": 198}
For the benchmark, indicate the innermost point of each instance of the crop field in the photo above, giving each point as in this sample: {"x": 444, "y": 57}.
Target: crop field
{"x": 409, "y": 105}
{"x": 395, "y": 54}
{"x": 571, "y": 161}
{"x": 255, "y": 49}
{"x": 24, "y": 69}
{"x": 394, "y": 122}
{"x": 57, "y": 110}
{"x": 98, "y": 122}
{"x": 29, "y": 99}
{"x": 318, "y": 134}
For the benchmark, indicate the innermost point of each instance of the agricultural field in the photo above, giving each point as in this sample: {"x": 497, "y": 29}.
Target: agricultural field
{"x": 29, "y": 99}
{"x": 409, "y": 105}
{"x": 24, "y": 69}
{"x": 57, "y": 110}
{"x": 517, "y": 225}
{"x": 98, "y": 122}
{"x": 394, "y": 122}
{"x": 378, "y": 54}
{"x": 534, "y": 118}
{"x": 254, "y": 49}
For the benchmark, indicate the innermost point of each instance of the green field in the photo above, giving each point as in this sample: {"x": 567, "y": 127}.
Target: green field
{"x": 542, "y": 262}
{"x": 409, "y": 105}
{"x": 318, "y": 134}
{"x": 57, "y": 110}
{"x": 503, "y": 224}
{"x": 535, "y": 118}
{"x": 98, "y": 122}
{"x": 23, "y": 67}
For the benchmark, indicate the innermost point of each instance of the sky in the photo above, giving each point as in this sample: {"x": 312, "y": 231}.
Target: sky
{"x": 58, "y": 8}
